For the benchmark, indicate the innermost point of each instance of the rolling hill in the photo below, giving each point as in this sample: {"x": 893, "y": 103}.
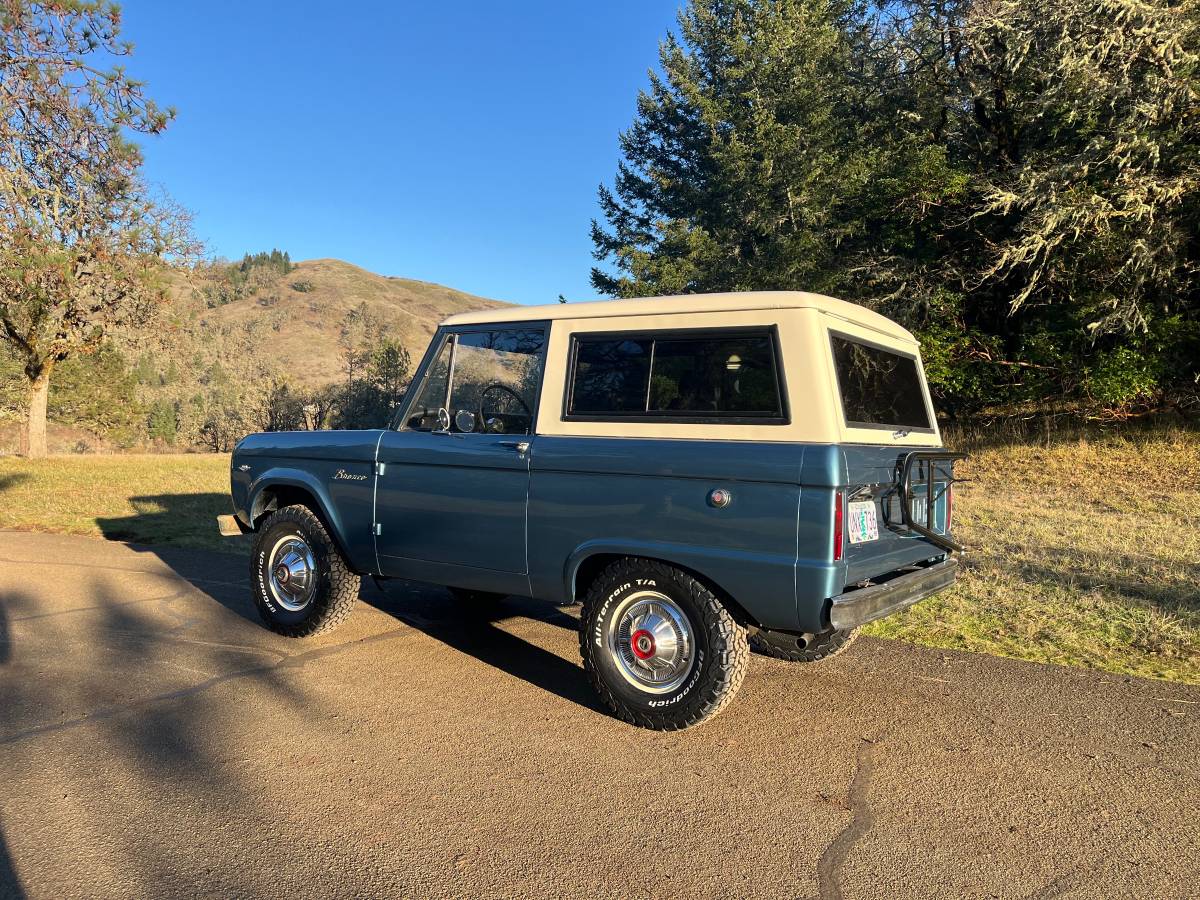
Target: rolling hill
{"x": 305, "y": 311}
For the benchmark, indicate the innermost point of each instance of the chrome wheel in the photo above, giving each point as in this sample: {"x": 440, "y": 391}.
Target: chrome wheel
{"x": 650, "y": 640}
{"x": 293, "y": 573}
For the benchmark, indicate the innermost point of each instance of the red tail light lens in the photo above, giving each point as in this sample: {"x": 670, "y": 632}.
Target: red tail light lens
{"x": 837, "y": 526}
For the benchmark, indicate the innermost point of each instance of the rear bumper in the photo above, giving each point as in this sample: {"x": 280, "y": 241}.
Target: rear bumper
{"x": 858, "y": 607}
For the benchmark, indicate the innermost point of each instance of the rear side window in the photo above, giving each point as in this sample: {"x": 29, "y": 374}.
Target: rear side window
{"x": 880, "y": 389}
{"x": 716, "y": 376}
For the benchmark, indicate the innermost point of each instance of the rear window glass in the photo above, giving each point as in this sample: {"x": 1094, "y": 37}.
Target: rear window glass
{"x": 879, "y": 387}
{"x": 712, "y": 376}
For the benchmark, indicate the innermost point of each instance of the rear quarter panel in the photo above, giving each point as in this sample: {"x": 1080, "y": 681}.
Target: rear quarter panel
{"x": 649, "y": 498}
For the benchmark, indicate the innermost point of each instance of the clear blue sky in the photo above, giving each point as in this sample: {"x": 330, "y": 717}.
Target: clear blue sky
{"x": 456, "y": 142}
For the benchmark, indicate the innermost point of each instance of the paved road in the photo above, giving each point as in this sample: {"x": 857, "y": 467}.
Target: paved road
{"x": 156, "y": 741}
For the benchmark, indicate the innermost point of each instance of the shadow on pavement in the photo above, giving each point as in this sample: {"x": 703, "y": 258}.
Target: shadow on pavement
{"x": 427, "y": 608}
{"x": 5, "y": 639}
{"x": 142, "y": 703}
{"x": 475, "y": 631}
{"x": 10, "y": 886}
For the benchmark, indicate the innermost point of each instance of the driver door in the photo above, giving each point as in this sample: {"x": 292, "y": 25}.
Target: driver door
{"x": 453, "y": 480}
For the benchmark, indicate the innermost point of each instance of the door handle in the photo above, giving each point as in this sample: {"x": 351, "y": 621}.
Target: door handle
{"x": 522, "y": 447}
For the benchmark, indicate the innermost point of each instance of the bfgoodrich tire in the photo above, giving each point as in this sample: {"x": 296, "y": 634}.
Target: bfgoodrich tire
{"x": 660, "y": 648}
{"x": 802, "y": 648}
{"x": 302, "y": 585}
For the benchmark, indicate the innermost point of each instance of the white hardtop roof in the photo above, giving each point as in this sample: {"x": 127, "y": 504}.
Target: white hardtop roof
{"x": 686, "y": 304}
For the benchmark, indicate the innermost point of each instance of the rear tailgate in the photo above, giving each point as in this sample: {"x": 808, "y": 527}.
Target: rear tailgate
{"x": 874, "y": 491}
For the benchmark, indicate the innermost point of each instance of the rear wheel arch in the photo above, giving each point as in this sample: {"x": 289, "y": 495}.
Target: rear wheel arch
{"x": 589, "y": 568}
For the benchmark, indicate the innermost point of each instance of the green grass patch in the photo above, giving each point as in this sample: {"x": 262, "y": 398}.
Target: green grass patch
{"x": 144, "y": 499}
{"x": 1083, "y": 553}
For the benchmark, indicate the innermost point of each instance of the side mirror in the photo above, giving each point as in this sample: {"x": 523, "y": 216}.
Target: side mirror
{"x": 443, "y": 419}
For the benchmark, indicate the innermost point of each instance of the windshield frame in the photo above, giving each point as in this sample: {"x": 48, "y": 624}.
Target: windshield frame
{"x": 448, "y": 334}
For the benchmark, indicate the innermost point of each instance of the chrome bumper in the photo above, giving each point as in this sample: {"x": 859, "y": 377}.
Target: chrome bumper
{"x": 858, "y": 607}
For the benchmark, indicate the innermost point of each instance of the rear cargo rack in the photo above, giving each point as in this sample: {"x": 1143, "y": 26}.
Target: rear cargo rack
{"x": 932, "y": 468}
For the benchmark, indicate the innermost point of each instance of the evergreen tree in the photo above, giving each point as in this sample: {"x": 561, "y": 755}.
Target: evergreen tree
{"x": 1016, "y": 182}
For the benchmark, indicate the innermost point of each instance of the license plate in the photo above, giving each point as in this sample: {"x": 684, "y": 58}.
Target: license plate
{"x": 864, "y": 526}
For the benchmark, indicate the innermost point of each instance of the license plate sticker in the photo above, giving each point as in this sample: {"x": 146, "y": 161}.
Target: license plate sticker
{"x": 864, "y": 525}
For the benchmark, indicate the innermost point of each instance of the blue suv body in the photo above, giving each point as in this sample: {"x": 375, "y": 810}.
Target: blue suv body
{"x": 704, "y": 474}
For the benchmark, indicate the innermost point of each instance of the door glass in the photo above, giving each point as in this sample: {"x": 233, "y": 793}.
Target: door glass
{"x": 493, "y": 387}
{"x": 496, "y": 378}
{"x": 424, "y": 414}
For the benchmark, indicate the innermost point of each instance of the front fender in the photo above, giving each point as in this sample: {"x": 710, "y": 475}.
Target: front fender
{"x": 282, "y": 476}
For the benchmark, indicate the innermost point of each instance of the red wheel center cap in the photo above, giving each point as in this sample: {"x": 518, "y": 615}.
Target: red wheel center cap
{"x": 642, "y": 643}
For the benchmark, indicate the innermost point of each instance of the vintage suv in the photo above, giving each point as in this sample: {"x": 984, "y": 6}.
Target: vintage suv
{"x": 703, "y": 473}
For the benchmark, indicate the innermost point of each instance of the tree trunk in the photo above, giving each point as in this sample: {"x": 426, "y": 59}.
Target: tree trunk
{"x": 33, "y": 439}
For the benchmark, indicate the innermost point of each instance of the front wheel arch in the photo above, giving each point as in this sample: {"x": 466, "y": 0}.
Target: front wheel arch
{"x": 276, "y": 495}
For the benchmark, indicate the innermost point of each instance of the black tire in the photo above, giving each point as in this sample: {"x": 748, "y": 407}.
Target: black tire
{"x": 481, "y": 601}
{"x": 718, "y": 651}
{"x": 334, "y": 588}
{"x": 807, "y": 648}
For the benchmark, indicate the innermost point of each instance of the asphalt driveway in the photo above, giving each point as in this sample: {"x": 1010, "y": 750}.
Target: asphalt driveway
{"x": 156, "y": 741}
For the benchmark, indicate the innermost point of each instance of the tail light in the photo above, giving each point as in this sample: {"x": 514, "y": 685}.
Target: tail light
{"x": 837, "y": 526}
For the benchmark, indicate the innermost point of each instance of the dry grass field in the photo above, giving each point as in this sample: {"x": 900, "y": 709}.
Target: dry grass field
{"x": 1083, "y": 552}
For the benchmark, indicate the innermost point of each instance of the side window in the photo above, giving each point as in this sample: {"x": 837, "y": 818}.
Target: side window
{"x": 482, "y": 381}
{"x": 880, "y": 388}
{"x": 611, "y": 375}
{"x": 716, "y": 376}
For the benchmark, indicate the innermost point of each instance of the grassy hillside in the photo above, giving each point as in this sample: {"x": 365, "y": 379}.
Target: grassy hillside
{"x": 1083, "y": 553}
{"x": 238, "y": 348}
{"x": 305, "y": 323}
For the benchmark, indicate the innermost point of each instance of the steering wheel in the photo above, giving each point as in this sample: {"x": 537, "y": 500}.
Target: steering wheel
{"x": 505, "y": 389}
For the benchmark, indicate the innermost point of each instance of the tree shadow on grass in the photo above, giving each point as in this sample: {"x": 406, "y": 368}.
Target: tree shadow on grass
{"x": 187, "y": 520}
{"x": 1176, "y": 598}
{"x": 13, "y": 479}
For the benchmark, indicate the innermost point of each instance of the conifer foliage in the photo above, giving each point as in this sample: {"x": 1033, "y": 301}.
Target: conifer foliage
{"x": 1019, "y": 183}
